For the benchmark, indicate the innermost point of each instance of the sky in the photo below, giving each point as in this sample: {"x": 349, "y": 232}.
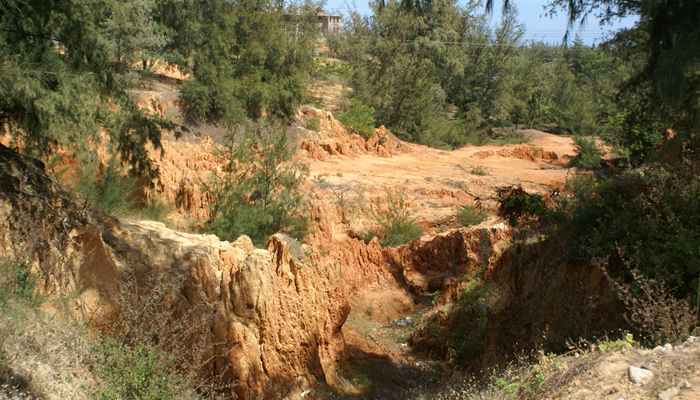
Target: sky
{"x": 538, "y": 26}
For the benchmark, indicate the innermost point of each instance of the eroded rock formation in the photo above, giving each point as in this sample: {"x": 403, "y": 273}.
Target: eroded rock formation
{"x": 332, "y": 138}
{"x": 276, "y": 318}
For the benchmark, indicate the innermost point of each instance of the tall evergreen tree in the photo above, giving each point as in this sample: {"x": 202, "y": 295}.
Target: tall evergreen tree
{"x": 249, "y": 58}
{"x": 64, "y": 74}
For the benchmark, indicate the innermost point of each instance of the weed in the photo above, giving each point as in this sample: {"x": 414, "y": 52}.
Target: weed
{"x": 400, "y": 232}
{"x": 320, "y": 181}
{"x": 155, "y": 210}
{"x": 151, "y": 324}
{"x": 457, "y": 335}
{"x": 627, "y": 342}
{"x": 507, "y": 386}
{"x": 500, "y": 137}
{"x": 333, "y": 71}
{"x": 112, "y": 190}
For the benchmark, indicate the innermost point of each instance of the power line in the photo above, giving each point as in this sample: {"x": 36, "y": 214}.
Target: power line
{"x": 524, "y": 43}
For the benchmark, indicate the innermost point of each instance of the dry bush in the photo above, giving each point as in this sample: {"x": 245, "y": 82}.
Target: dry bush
{"x": 653, "y": 310}
{"x": 180, "y": 331}
{"x": 47, "y": 351}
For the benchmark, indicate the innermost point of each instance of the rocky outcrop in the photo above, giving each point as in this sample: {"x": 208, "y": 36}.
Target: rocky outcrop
{"x": 275, "y": 317}
{"x": 332, "y": 138}
{"x": 522, "y": 152}
{"x": 186, "y": 167}
{"x": 532, "y": 298}
{"x": 441, "y": 261}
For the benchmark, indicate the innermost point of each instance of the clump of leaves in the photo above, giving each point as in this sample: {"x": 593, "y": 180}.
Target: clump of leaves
{"x": 359, "y": 117}
{"x": 588, "y": 154}
{"x": 258, "y": 194}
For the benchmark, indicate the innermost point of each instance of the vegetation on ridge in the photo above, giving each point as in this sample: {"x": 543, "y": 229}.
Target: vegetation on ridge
{"x": 259, "y": 192}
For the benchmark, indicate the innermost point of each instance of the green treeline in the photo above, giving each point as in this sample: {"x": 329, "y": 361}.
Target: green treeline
{"x": 437, "y": 73}
{"x": 67, "y": 66}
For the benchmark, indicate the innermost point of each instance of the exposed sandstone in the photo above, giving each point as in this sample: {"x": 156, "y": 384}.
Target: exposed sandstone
{"x": 276, "y": 316}
{"x": 333, "y": 139}
{"x": 439, "y": 262}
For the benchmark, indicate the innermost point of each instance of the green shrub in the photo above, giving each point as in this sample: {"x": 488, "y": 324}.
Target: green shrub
{"x": 469, "y": 215}
{"x": 400, "y": 232}
{"x": 588, "y": 155}
{"x": 113, "y": 191}
{"x": 469, "y": 329}
{"x": 109, "y": 190}
{"x": 502, "y": 136}
{"x": 396, "y": 225}
{"x": 458, "y": 335}
{"x": 313, "y": 123}
{"x": 646, "y": 220}
{"x": 479, "y": 170}
{"x": 359, "y": 117}
{"x": 259, "y": 193}
{"x": 516, "y": 205}
{"x": 138, "y": 373}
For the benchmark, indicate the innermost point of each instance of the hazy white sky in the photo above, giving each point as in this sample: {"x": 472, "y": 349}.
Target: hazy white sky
{"x": 531, "y": 14}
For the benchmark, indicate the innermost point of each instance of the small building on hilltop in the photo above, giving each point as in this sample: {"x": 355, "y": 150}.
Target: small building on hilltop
{"x": 327, "y": 23}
